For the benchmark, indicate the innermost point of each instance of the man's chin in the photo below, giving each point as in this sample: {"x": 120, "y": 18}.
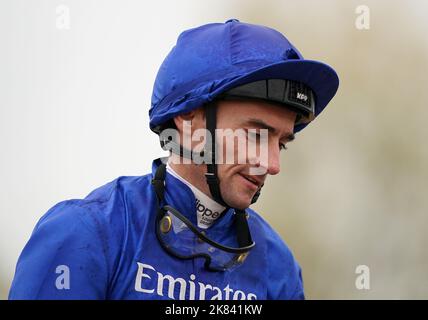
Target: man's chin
{"x": 240, "y": 204}
{"x": 236, "y": 195}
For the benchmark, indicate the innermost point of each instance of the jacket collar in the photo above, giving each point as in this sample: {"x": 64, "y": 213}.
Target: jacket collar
{"x": 179, "y": 196}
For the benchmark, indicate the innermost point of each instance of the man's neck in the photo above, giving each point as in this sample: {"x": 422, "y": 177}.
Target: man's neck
{"x": 207, "y": 209}
{"x": 192, "y": 173}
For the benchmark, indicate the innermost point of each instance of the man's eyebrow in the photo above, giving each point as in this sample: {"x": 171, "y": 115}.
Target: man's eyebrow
{"x": 261, "y": 124}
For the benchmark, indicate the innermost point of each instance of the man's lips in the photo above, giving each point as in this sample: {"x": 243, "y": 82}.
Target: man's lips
{"x": 252, "y": 179}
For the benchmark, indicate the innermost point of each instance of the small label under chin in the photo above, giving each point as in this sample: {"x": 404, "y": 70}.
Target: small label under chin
{"x": 206, "y": 216}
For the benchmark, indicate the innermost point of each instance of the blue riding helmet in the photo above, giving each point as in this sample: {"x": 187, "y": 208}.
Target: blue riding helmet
{"x": 210, "y": 60}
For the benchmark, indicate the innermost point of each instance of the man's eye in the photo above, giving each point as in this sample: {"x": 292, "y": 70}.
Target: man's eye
{"x": 254, "y": 136}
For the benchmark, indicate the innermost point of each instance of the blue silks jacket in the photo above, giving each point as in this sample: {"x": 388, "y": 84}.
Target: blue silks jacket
{"x": 105, "y": 247}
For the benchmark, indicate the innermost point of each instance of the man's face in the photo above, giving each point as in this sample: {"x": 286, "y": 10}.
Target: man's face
{"x": 238, "y": 181}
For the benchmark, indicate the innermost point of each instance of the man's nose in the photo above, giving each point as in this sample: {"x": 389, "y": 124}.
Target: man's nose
{"x": 270, "y": 160}
{"x": 274, "y": 161}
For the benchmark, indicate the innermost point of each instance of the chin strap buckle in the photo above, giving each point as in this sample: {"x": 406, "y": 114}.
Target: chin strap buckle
{"x": 211, "y": 178}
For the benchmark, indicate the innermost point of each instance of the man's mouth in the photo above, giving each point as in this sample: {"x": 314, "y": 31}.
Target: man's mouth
{"x": 252, "y": 180}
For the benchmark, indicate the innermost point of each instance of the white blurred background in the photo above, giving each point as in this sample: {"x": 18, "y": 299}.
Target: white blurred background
{"x": 353, "y": 187}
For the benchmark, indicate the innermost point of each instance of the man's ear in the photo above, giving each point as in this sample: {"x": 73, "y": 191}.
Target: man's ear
{"x": 178, "y": 120}
{"x": 197, "y": 118}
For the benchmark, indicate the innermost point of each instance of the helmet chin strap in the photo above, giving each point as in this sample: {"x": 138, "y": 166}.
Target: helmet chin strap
{"x": 211, "y": 175}
{"x": 210, "y": 151}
